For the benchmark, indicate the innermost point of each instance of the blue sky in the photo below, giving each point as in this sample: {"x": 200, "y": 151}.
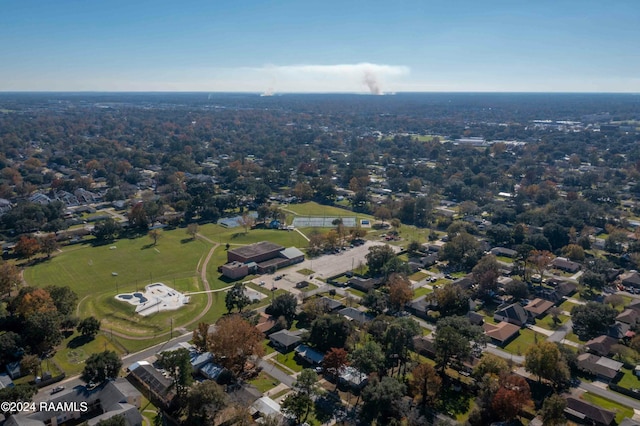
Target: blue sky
{"x": 322, "y": 46}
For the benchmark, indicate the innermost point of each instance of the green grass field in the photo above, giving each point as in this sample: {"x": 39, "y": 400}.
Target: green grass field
{"x": 176, "y": 261}
{"x": 521, "y": 343}
{"x": 421, "y": 291}
{"x": 74, "y": 351}
{"x": 88, "y": 269}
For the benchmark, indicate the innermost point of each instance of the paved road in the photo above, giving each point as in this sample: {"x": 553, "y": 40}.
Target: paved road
{"x": 614, "y": 396}
{"x": 71, "y": 382}
{"x": 492, "y": 349}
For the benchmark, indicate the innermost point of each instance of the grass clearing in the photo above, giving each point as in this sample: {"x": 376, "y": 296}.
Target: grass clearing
{"x": 422, "y": 291}
{"x": 74, "y": 350}
{"x": 305, "y": 271}
{"x": 418, "y": 276}
{"x": 521, "y": 343}
{"x": 629, "y": 380}
{"x": 289, "y": 361}
{"x": 264, "y": 382}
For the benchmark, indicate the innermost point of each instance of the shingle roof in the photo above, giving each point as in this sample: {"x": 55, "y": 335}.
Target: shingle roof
{"x": 502, "y": 331}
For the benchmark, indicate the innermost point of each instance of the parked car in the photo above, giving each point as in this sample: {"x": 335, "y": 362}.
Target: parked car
{"x": 57, "y": 389}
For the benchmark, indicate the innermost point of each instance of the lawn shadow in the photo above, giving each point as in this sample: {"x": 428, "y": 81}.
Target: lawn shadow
{"x": 78, "y": 341}
{"x": 186, "y": 240}
{"x": 147, "y": 246}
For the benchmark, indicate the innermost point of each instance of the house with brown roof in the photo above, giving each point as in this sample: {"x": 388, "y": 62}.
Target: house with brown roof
{"x": 537, "y": 308}
{"x": 501, "y": 334}
{"x": 629, "y": 316}
{"x": 565, "y": 264}
{"x": 265, "y": 323}
{"x": 586, "y": 413}
{"x": 601, "y": 345}
{"x": 630, "y": 279}
{"x": 603, "y": 368}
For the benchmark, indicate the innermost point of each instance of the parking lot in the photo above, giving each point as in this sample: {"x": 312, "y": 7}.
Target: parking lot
{"x": 323, "y": 267}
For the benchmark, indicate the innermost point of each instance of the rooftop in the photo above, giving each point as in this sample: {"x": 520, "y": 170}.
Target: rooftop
{"x": 256, "y": 249}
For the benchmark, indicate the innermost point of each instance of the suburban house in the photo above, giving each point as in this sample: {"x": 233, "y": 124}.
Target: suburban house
{"x": 565, "y": 264}
{"x": 285, "y": 340}
{"x": 419, "y": 306}
{"x": 501, "y": 334}
{"x": 514, "y": 313}
{"x": 603, "y": 368}
{"x": 265, "y": 323}
{"x": 620, "y": 330}
{"x": 115, "y": 398}
{"x": 583, "y": 412}
{"x": 352, "y": 314}
{"x": 537, "y": 308}
{"x": 353, "y": 378}
{"x": 152, "y": 380}
{"x": 264, "y": 407}
{"x": 364, "y": 284}
{"x": 629, "y": 316}
{"x": 309, "y": 354}
{"x": 600, "y": 345}
{"x": 630, "y": 279}
{"x": 424, "y": 346}
{"x": 329, "y": 304}
{"x": 503, "y": 251}
{"x": 260, "y": 257}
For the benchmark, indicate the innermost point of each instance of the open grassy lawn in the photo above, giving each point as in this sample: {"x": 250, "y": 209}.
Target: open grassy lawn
{"x": 237, "y": 236}
{"x": 417, "y": 276}
{"x": 314, "y": 209}
{"x": 289, "y": 360}
{"x": 572, "y": 337}
{"x": 521, "y": 343}
{"x": 356, "y": 292}
{"x": 305, "y": 271}
{"x": 422, "y": 291}
{"x": 567, "y": 306}
{"x": 74, "y": 350}
{"x": 88, "y": 270}
{"x": 629, "y": 380}
{"x": 621, "y": 411}
{"x": 548, "y": 324}
{"x": 264, "y": 382}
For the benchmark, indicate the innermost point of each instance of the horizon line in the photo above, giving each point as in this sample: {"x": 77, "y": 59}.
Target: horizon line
{"x": 275, "y": 94}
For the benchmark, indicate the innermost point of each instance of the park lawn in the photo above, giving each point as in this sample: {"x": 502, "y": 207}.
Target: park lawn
{"x": 88, "y": 270}
{"x": 289, "y": 361}
{"x": 120, "y": 316}
{"x": 312, "y": 208}
{"x": 422, "y": 291}
{"x": 418, "y": 276}
{"x": 629, "y": 380}
{"x": 621, "y": 411}
{"x": 237, "y": 236}
{"x": 264, "y": 382}
{"x": 521, "y": 343}
{"x": 74, "y": 350}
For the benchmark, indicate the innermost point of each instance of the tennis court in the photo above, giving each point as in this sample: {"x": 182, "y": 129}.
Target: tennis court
{"x": 322, "y": 222}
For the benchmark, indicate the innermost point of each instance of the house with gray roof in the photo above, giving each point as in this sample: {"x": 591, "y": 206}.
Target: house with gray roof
{"x": 285, "y": 340}
{"x": 117, "y": 397}
{"x": 514, "y": 313}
